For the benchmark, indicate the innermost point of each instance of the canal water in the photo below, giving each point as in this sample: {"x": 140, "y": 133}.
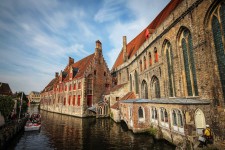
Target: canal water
{"x": 67, "y": 132}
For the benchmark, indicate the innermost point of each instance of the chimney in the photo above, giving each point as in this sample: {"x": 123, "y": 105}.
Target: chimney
{"x": 98, "y": 48}
{"x": 56, "y": 74}
{"x": 125, "y": 57}
{"x": 71, "y": 61}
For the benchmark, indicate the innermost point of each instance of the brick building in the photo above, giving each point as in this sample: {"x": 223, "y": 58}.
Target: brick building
{"x": 179, "y": 57}
{"x": 80, "y": 87}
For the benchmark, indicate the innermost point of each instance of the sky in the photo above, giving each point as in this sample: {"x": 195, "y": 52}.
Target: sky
{"x": 38, "y": 36}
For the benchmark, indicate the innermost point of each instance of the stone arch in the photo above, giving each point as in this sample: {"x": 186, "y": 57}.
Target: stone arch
{"x": 188, "y": 62}
{"x": 136, "y": 82}
{"x": 144, "y": 89}
{"x": 155, "y": 86}
{"x": 199, "y": 121}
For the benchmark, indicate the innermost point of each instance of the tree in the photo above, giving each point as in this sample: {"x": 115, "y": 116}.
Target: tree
{"x": 6, "y": 106}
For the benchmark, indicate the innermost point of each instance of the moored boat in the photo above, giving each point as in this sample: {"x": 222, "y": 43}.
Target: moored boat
{"x": 34, "y": 123}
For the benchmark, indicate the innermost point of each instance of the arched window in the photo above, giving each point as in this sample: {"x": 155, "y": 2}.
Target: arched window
{"x": 199, "y": 121}
{"x": 164, "y": 117}
{"x": 180, "y": 119}
{"x": 144, "y": 89}
{"x": 79, "y": 85}
{"x": 100, "y": 110}
{"x": 130, "y": 83}
{"x": 218, "y": 29}
{"x": 145, "y": 63}
{"x": 74, "y": 99}
{"x": 156, "y": 55}
{"x": 140, "y": 65}
{"x": 174, "y": 118}
{"x": 156, "y": 87}
{"x": 136, "y": 82}
{"x": 140, "y": 113}
{"x": 189, "y": 63}
{"x": 105, "y": 109}
{"x": 169, "y": 58}
{"x": 150, "y": 58}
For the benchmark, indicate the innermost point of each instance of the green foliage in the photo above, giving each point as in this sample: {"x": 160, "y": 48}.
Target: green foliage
{"x": 6, "y": 105}
{"x": 152, "y": 131}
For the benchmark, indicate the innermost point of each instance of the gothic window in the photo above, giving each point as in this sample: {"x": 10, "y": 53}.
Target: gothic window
{"x": 156, "y": 55}
{"x": 136, "y": 82}
{"x": 218, "y": 29}
{"x": 164, "y": 115}
{"x": 140, "y": 65}
{"x": 154, "y": 113}
{"x": 169, "y": 57}
{"x": 189, "y": 63}
{"x": 140, "y": 113}
{"x": 69, "y": 100}
{"x": 150, "y": 58}
{"x": 145, "y": 63}
{"x": 155, "y": 87}
{"x": 144, "y": 89}
{"x": 174, "y": 115}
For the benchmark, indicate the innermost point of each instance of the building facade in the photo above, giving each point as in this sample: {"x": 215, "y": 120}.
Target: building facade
{"x": 34, "y": 97}
{"x": 80, "y": 87}
{"x": 180, "y": 55}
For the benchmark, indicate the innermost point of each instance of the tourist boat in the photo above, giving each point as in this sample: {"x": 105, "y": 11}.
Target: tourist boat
{"x": 34, "y": 123}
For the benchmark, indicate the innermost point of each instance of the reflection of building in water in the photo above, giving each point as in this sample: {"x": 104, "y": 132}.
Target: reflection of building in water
{"x": 80, "y": 87}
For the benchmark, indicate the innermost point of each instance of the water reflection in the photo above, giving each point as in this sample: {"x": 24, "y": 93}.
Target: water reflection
{"x": 66, "y": 132}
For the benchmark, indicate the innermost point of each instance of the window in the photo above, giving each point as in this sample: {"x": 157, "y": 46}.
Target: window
{"x": 89, "y": 85}
{"x": 78, "y": 100}
{"x": 74, "y": 86}
{"x": 104, "y": 73}
{"x": 140, "y": 113}
{"x": 144, "y": 89}
{"x": 140, "y": 66}
{"x": 79, "y": 85}
{"x": 74, "y": 99}
{"x": 164, "y": 117}
{"x": 154, "y": 113}
{"x": 177, "y": 120}
{"x": 136, "y": 82}
{"x": 65, "y": 88}
{"x": 94, "y": 72}
{"x": 64, "y": 102}
{"x": 189, "y": 63}
{"x": 70, "y": 87}
{"x": 169, "y": 57}
{"x": 150, "y": 58}
{"x": 156, "y": 55}
{"x": 218, "y": 29}
{"x": 117, "y": 98}
{"x": 145, "y": 63}
{"x": 69, "y": 100}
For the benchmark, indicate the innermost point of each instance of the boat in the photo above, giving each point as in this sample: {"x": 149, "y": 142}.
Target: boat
{"x": 34, "y": 123}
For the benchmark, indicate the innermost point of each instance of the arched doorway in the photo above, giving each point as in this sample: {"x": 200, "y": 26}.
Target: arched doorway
{"x": 144, "y": 89}
{"x": 199, "y": 121}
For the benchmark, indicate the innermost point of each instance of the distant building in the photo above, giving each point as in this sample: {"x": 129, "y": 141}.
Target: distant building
{"x": 79, "y": 88}
{"x": 34, "y": 97}
{"x": 5, "y": 89}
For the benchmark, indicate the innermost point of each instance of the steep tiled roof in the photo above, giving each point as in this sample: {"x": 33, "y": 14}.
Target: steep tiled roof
{"x": 81, "y": 65}
{"x": 129, "y": 95}
{"x": 136, "y": 43}
{"x": 49, "y": 87}
{"x": 5, "y": 89}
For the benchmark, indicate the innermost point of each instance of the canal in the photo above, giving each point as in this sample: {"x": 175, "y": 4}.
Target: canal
{"x": 66, "y": 132}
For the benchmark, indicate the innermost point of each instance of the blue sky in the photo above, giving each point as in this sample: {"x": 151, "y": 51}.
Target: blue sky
{"x": 38, "y": 36}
